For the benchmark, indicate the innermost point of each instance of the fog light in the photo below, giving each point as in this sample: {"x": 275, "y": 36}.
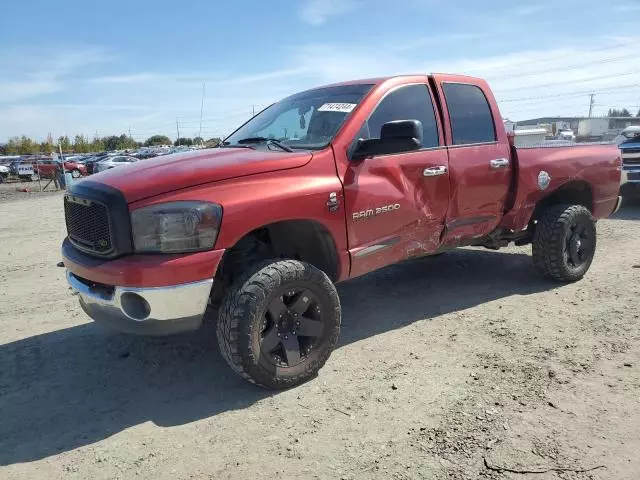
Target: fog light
{"x": 134, "y": 306}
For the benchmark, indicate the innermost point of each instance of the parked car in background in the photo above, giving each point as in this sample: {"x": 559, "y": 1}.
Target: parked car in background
{"x": 627, "y": 134}
{"x": 144, "y": 154}
{"x": 567, "y": 135}
{"x": 112, "y": 162}
{"x": 4, "y": 173}
{"x": 630, "y": 150}
{"x": 89, "y": 162}
{"x": 47, "y": 168}
{"x": 75, "y": 167}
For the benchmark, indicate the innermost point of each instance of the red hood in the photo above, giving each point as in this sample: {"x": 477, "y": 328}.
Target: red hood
{"x": 147, "y": 178}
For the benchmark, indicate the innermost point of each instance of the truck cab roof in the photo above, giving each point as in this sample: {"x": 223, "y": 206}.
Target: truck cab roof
{"x": 380, "y": 80}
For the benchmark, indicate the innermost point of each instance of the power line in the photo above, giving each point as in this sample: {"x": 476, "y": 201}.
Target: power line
{"x": 574, "y": 94}
{"x": 557, "y": 57}
{"x": 567, "y": 67}
{"x": 570, "y": 82}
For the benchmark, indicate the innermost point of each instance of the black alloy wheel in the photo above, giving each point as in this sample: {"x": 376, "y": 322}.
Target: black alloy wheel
{"x": 564, "y": 243}
{"x": 579, "y": 245}
{"x": 279, "y": 323}
{"x": 292, "y": 326}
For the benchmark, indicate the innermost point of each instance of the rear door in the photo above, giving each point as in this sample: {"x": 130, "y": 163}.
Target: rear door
{"x": 396, "y": 204}
{"x": 480, "y": 169}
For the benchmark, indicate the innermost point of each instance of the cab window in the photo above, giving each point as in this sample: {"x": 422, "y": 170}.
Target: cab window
{"x": 411, "y": 102}
{"x": 469, "y": 113}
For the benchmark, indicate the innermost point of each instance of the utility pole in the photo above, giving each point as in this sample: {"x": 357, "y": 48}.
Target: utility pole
{"x": 201, "y": 108}
{"x": 591, "y": 103}
{"x": 253, "y": 110}
{"x": 178, "y": 132}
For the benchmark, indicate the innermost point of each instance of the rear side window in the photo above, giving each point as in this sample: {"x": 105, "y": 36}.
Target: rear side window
{"x": 411, "y": 102}
{"x": 470, "y": 115}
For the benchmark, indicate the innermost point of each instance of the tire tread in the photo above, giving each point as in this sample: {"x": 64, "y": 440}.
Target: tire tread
{"x": 242, "y": 302}
{"x": 547, "y": 242}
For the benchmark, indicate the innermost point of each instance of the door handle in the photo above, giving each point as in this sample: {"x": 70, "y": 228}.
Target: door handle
{"x": 499, "y": 163}
{"x": 434, "y": 171}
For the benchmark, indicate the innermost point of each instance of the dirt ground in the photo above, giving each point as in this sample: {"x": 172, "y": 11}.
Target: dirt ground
{"x": 461, "y": 366}
{"x": 11, "y": 191}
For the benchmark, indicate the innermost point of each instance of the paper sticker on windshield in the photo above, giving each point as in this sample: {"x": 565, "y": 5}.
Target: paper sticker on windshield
{"x": 337, "y": 107}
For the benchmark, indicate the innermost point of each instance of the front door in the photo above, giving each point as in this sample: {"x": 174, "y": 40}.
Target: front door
{"x": 396, "y": 204}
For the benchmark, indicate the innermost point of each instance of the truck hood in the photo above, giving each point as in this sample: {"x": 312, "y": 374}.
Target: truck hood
{"x": 147, "y": 178}
{"x": 630, "y": 144}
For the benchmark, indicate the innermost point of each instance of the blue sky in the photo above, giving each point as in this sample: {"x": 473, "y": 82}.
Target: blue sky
{"x": 85, "y": 67}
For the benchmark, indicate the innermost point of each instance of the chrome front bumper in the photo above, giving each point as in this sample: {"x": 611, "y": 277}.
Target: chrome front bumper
{"x": 144, "y": 311}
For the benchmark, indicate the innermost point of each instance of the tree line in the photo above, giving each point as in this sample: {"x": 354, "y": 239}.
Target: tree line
{"x": 24, "y": 145}
{"x": 614, "y": 112}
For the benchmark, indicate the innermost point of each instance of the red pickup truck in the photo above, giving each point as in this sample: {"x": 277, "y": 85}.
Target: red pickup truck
{"x": 323, "y": 186}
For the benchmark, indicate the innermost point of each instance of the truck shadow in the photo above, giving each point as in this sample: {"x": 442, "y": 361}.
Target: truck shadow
{"x": 73, "y": 387}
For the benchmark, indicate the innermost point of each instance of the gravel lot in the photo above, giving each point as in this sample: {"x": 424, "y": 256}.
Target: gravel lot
{"x": 460, "y": 366}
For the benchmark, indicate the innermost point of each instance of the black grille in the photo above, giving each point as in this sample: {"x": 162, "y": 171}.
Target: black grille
{"x": 88, "y": 225}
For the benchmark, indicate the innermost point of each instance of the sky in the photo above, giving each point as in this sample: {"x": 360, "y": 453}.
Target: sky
{"x": 139, "y": 66}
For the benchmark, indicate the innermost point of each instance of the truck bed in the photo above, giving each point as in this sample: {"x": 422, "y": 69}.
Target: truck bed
{"x": 595, "y": 164}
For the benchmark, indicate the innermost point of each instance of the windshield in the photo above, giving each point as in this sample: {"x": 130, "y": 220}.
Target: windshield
{"x": 307, "y": 120}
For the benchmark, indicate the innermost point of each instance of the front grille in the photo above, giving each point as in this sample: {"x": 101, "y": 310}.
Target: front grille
{"x": 88, "y": 225}
{"x": 631, "y": 156}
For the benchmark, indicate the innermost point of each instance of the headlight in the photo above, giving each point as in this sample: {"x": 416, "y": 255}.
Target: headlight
{"x": 185, "y": 226}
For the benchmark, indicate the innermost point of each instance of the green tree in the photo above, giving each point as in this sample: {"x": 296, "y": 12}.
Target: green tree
{"x": 184, "y": 142}
{"x": 13, "y": 146}
{"x": 81, "y": 144}
{"x": 110, "y": 142}
{"x": 97, "y": 145}
{"x": 65, "y": 144}
{"x": 46, "y": 148}
{"x": 614, "y": 112}
{"x": 157, "y": 140}
{"x": 213, "y": 142}
{"x": 22, "y": 146}
{"x": 198, "y": 140}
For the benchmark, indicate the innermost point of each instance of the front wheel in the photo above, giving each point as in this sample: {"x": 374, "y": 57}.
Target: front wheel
{"x": 564, "y": 243}
{"x": 279, "y": 323}
{"x": 75, "y": 173}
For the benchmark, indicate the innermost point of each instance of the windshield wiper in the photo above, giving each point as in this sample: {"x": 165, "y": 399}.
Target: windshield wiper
{"x": 228, "y": 144}
{"x": 270, "y": 141}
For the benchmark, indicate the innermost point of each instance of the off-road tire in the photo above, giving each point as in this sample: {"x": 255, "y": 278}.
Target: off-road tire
{"x": 241, "y": 317}
{"x": 76, "y": 173}
{"x": 550, "y": 238}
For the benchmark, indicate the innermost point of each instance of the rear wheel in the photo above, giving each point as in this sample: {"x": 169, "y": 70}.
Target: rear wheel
{"x": 279, "y": 323}
{"x": 35, "y": 177}
{"x": 564, "y": 243}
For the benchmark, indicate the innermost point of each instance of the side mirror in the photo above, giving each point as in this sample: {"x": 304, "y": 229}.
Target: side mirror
{"x": 395, "y": 137}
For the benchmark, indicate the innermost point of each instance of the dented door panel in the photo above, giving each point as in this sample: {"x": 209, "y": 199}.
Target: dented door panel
{"x": 394, "y": 210}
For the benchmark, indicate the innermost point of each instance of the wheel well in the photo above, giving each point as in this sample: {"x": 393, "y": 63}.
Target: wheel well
{"x": 305, "y": 240}
{"x": 572, "y": 193}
